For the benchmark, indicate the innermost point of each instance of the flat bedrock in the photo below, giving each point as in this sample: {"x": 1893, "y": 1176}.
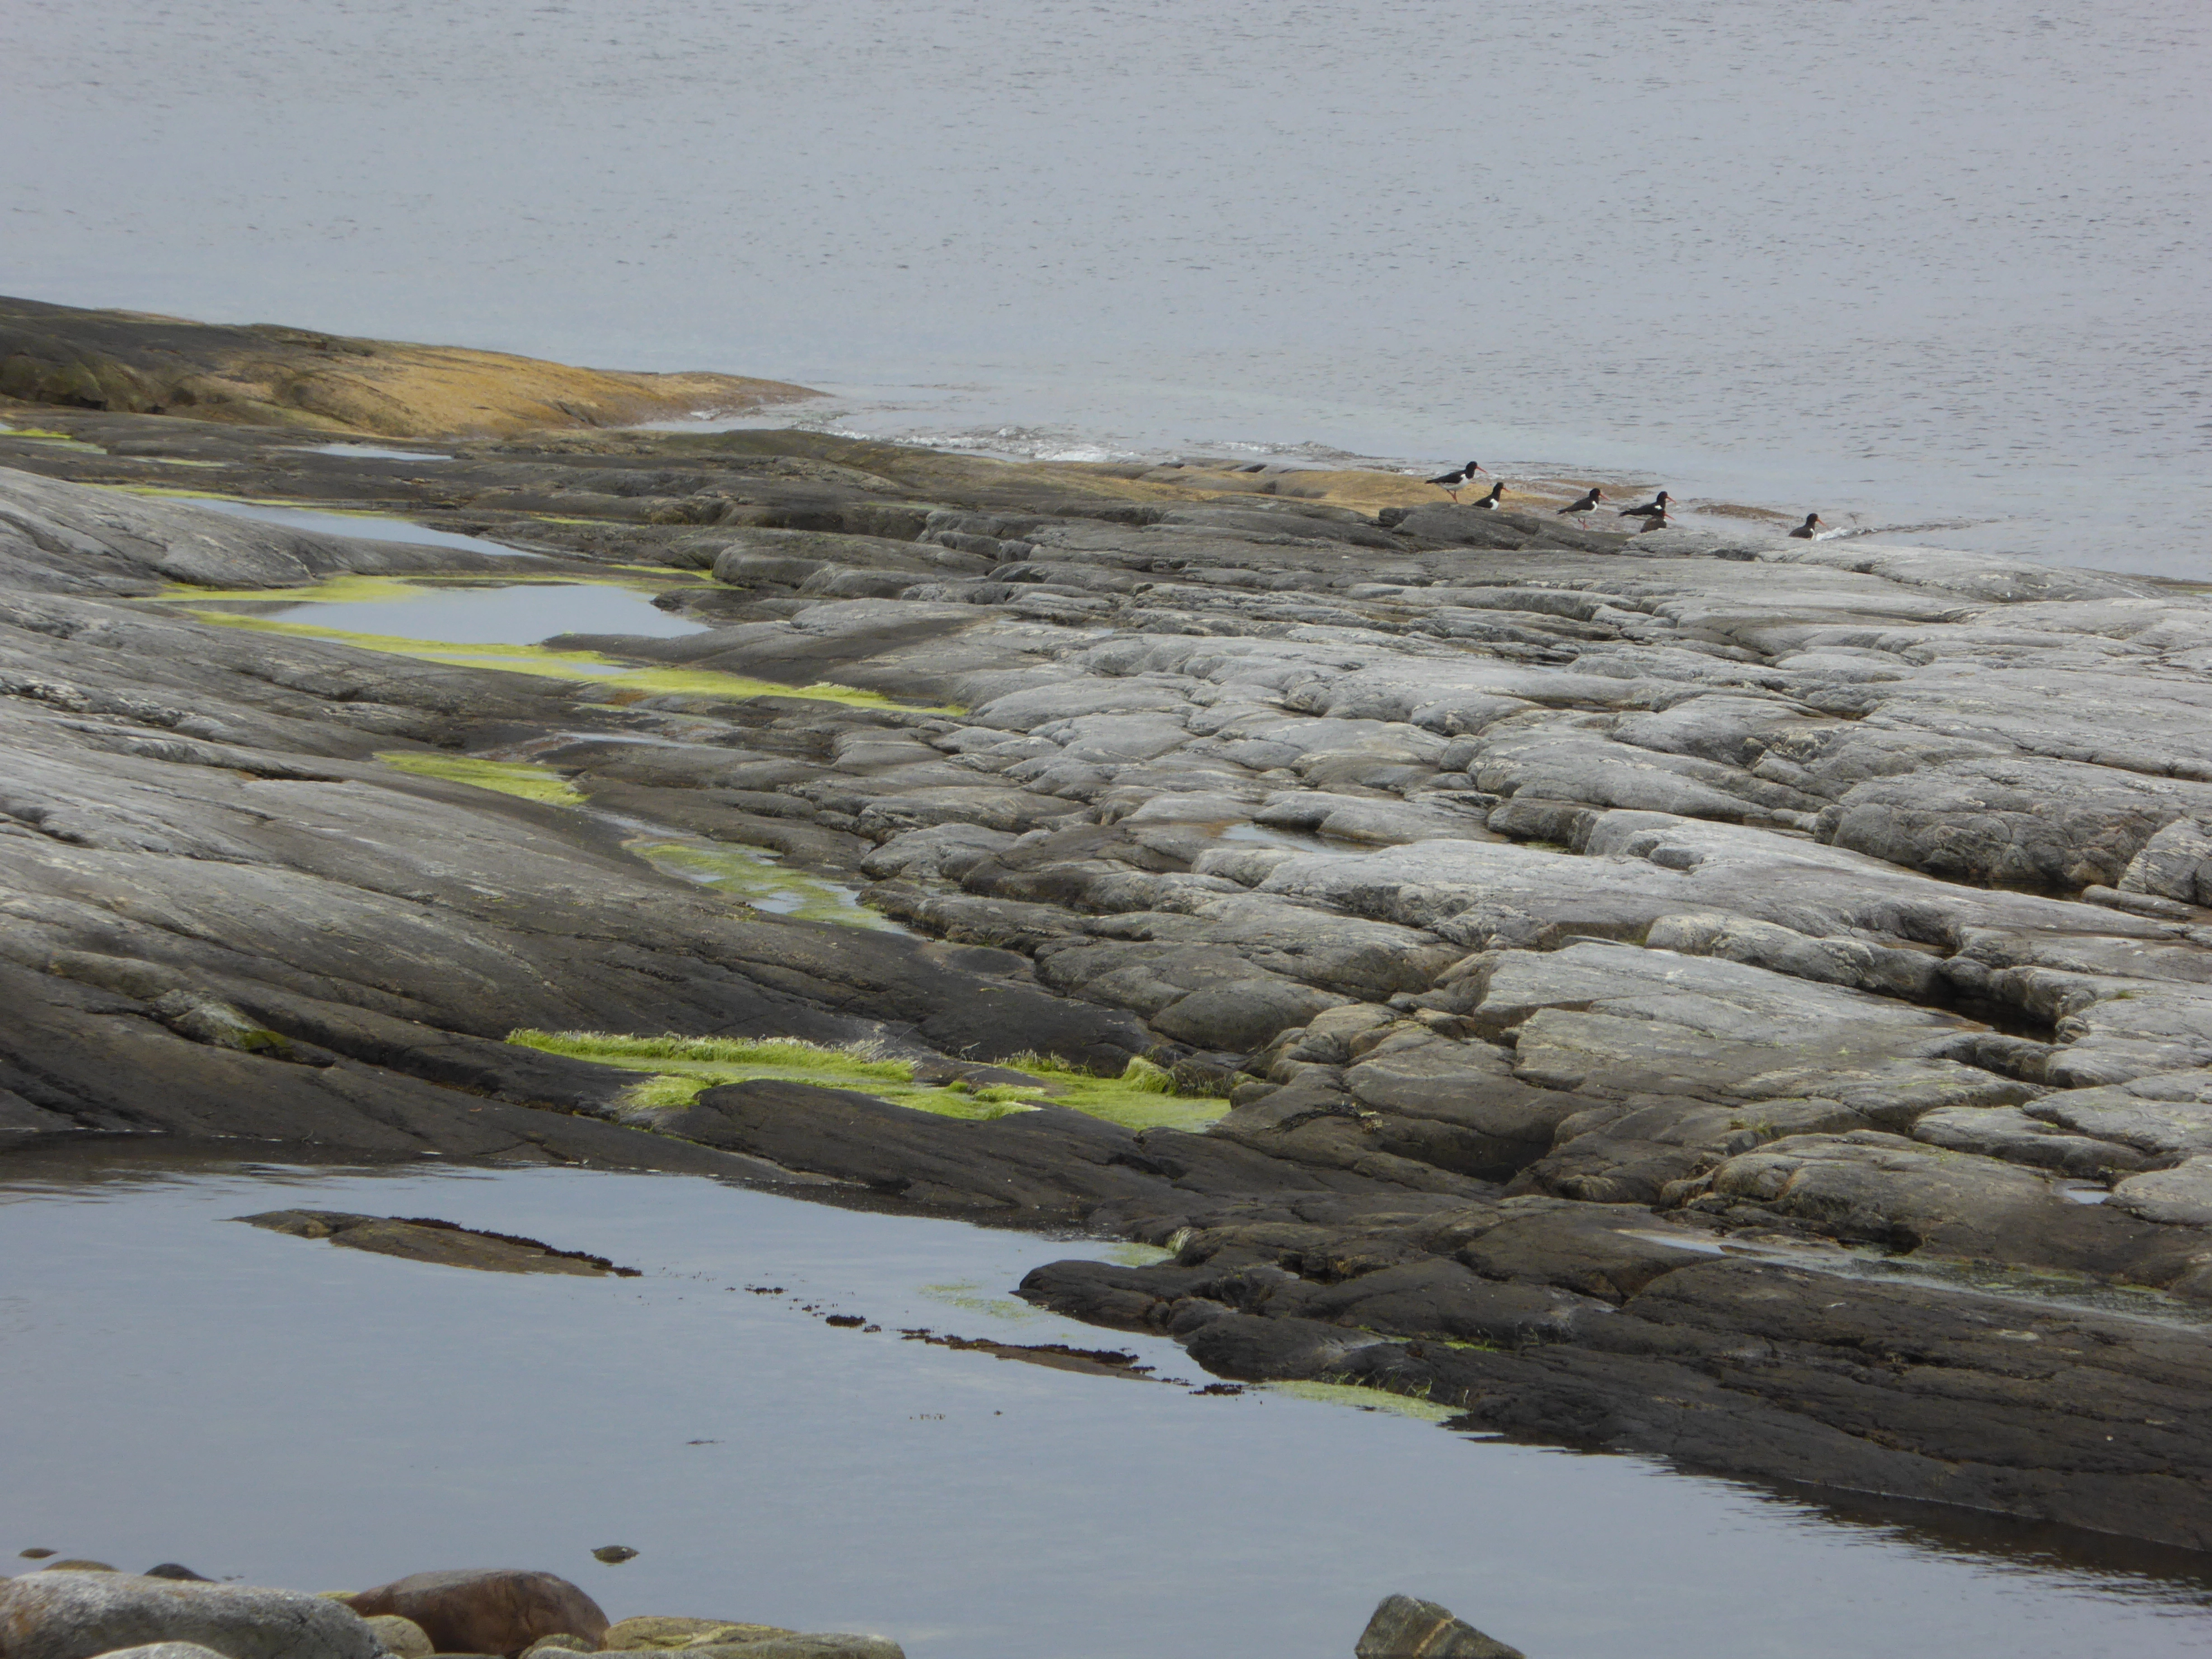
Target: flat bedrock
{"x": 1558, "y": 910}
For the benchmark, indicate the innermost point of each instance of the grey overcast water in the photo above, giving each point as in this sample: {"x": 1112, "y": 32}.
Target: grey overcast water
{"x": 180, "y": 1388}
{"x": 1903, "y": 263}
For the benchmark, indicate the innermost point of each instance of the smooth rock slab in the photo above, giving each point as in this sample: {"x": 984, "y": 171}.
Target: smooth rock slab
{"x": 79, "y": 1615}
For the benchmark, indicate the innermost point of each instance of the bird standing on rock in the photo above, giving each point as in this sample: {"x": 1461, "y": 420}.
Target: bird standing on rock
{"x": 1452, "y": 482}
{"x": 1656, "y": 520}
{"x": 1587, "y": 504}
{"x": 1494, "y": 500}
{"x": 1811, "y": 528}
{"x": 1655, "y": 509}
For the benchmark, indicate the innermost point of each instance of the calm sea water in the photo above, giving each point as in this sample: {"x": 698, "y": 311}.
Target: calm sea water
{"x": 179, "y": 1387}
{"x": 1896, "y": 262}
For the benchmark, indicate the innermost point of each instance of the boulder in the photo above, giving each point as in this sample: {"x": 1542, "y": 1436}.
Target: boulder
{"x": 402, "y": 1638}
{"x": 486, "y": 1610}
{"x": 661, "y": 1631}
{"x": 1403, "y": 1628}
{"x": 71, "y": 1613}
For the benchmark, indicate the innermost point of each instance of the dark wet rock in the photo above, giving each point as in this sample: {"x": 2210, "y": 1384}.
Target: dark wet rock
{"x": 1404, "y": 1628}
{"x": 440, "y": 1241}
{"x": 76, "y": 1615}
{"x": 491, "y": 1610}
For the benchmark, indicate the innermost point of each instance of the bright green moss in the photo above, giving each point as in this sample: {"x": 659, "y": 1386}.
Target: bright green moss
{"x": 681, "y": 1067}
{"x": 531, "y": 782}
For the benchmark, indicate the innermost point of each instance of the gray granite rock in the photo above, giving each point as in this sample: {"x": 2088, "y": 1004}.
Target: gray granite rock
{"x": 79, "y": 1615}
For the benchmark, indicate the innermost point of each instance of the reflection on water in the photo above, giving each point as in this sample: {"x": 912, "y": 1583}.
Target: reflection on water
{"x": 518, "y": 613}
{"x": 371, "y": 452}
{"x": 1887, "y": 259}
{"x": 365, "y": 526}
{"x": 184, "y": 1389}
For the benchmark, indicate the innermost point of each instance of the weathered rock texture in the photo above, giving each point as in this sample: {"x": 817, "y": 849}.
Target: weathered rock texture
{"x": 1614, "y": 947}
{"x": 77, "y": 1615}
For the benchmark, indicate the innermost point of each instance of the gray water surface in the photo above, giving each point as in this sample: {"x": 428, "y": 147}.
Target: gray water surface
{"x": 1896, "y": 263}
{"x": 367, "y": 526}
{"x": 177, "y": 1388}
{"x": 517, "y": 613}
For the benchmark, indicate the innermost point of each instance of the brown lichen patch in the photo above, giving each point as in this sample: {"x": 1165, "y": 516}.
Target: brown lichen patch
{"x": 267, "y": 375}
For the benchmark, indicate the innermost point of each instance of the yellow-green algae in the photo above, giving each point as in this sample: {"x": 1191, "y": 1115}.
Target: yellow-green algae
{"x": 1371, "y": 1399}
{"x": 970, "y": 1297}
{"x": 59, "y": 440}
{"x": 627, "y": 683}
{"x": 523, "y": 778}
{"x": 679, "y": 1067}
{"x": 746, "y": 875}
{"x": 584, "y": 667}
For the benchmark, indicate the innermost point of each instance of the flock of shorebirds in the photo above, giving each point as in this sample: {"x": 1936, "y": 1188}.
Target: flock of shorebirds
{"x": 1653, "y": 512}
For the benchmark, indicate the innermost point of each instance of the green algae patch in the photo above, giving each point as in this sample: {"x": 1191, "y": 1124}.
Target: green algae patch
{"x": 626, "y": 682}
{"x": 523, "y": 778}
{"x": 1368, "y": 1399}
{"x": 759, "y": 881}
{"x": 57, "y": 439}
{"x": 969, "y": 1296}
{"x": 679, "y": 1067}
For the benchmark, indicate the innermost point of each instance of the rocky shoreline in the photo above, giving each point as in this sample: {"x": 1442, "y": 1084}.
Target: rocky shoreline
{"x": 76, "y": 1609}
{"x": 1706, "y": 994}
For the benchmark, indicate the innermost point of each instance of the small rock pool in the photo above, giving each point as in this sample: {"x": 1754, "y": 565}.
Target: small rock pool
{"x": 505, "y": 613}
{"x": 179, "y": 1387}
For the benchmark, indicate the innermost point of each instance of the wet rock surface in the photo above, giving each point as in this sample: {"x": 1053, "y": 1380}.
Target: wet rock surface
{"x": 422, "y": 1239}
{"x": 1608, "y": 949}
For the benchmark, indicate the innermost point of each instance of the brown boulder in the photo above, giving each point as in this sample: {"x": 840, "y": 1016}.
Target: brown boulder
{"x": 486, "y": 1610}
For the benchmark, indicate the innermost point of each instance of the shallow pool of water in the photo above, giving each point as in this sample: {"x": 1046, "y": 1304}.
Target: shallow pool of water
{"x": 178, "y": 1387}
{"x": 364, "y": 526}
{"x": 371, "y": 452}
{"x": 516, "y": 613}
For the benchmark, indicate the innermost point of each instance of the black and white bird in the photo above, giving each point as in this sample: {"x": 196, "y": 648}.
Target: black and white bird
{"x": 1809, "y": 530}
{"x": 1587, "y": 504}
{"x": 1654, "y": 509}
{"x": 1494, "y": 500}
{"x": 1656, "y": 520}
{"x": 1453, "y": 483}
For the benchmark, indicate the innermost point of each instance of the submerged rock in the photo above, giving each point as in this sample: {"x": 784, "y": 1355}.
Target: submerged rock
{"x": 420, "y": 1239}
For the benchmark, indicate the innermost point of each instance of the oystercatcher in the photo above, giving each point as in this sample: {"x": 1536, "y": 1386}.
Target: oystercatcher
{"x": 1494, "y": 500}
{"x": 1587, "y": 504}
{"x": 1654, "y": 509}
{"x": 1453, "y": 483}
{"x": 1656, "y": 520}
{"x": 1811, "y": 528}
